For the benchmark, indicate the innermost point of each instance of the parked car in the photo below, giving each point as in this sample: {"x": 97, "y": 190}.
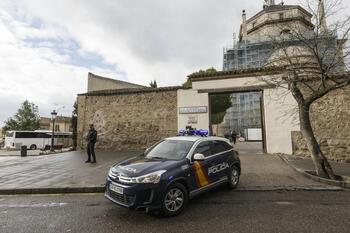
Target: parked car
{"x": 173, "y": 171}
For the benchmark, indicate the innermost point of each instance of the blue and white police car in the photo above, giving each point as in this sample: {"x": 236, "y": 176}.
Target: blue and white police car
{"x": 173, "y": 171}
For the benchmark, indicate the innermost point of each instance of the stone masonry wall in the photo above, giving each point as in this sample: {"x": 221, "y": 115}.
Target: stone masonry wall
{"x": 330, "y": 118}
{"x": 128, "y": 121}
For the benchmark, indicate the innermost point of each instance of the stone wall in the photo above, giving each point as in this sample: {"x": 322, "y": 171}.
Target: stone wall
{"x": 128, "y": 119}
{"x": 330, "y": 118}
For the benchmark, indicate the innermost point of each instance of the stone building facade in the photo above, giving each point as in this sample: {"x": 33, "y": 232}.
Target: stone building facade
{"x": 62, "y": 124}
{"x": 330, "y": 117}
{"x": 128, "y": 119}
{"x": 98, "y": 83}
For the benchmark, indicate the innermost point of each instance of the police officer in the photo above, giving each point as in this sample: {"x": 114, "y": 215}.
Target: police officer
{"x": 91, "y": 140}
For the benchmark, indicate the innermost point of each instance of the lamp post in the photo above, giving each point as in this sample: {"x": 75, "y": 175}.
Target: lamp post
{"x": 53, "y": 117}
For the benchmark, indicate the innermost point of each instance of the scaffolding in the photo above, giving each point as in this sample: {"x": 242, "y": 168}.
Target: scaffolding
{"x": 245, "y": 55}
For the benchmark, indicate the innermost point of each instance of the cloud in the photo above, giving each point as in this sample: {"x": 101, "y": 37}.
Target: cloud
{"x": 48, "y": 47}
{"x": 163, "y": 40}
{"x": 38, "y": 73}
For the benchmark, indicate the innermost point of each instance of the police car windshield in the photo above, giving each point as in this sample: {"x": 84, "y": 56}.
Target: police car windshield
{"x": 170, "y": 149}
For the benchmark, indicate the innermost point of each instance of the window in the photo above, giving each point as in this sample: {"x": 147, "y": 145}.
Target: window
{"x": 203, "y": 148}
{"x": 220, "y": 146}
{"x": 57, "y": 127}
{"x": 26, "y": 135}
{"x": 285, "y": 32}
{"x": 281, "y": 15}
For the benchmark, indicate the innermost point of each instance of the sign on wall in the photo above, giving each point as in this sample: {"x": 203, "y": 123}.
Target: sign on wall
{"x": 191, "y": 110}
{"x": 192, "y": 120}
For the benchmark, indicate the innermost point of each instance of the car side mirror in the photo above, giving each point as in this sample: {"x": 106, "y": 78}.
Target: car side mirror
{"x": 147, "y": 150}
{"x": 198, "y": 157}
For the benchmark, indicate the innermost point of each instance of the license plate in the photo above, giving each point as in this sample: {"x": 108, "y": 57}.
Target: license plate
{"x": 116, "y": 189}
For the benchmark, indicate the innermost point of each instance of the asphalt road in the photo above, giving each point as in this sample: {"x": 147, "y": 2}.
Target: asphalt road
{"x": 218, "y": 211}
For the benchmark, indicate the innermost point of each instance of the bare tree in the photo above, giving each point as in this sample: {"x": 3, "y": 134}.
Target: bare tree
{"x": 315, "y": 61}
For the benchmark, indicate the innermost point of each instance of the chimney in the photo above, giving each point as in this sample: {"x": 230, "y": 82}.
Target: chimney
{"x": 244, "y": 26}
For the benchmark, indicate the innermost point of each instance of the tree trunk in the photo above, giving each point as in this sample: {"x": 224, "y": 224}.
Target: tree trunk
{"x": 322, "y": 166}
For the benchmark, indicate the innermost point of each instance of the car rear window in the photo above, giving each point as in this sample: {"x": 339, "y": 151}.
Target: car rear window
{"x": 220, "y": 146}
{"x": 204, "y": 148}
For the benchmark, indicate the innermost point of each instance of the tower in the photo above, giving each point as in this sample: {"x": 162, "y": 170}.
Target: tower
{"x": 322, "y": 17}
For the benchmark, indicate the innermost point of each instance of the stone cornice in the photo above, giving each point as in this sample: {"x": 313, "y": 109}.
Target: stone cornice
{"x": 275, "y": 21}
{"x": 278, "y": 8}
{"x": 130, "y": 91}
{"x": 235, "y": 74}
{"x": 237, "y": 89}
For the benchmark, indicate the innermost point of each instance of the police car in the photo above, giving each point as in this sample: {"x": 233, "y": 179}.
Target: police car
{"x": 173, "y": 171}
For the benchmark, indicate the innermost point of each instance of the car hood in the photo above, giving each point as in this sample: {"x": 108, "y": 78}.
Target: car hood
{"x": 141, "y": 165}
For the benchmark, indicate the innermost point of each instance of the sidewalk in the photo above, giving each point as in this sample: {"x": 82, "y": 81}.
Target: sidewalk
{"x": 68, "y": 172}
{"x": 341, "y": 169}
{"x": 4, "y": 152}
{"x": 62, "y": 171}
{"x": 304, "y": 165}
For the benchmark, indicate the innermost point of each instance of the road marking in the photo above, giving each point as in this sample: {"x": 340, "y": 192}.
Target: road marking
{"x": 52, "y": 195}
{"x": 38, "y": 205}
{"x": 284, "y": 203}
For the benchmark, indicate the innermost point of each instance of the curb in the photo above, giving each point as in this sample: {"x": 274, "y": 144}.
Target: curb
{"x": 342, "y": 184}
{"x": 97, "y": 189}
{"x": 101, "y": 189}
{"x": 288, "y": 189}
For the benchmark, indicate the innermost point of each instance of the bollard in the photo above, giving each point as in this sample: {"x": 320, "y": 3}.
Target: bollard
{"x": 23, "y": 151}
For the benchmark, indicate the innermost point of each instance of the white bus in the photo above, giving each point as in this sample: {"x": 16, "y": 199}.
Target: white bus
{"x": 35, "y": 139}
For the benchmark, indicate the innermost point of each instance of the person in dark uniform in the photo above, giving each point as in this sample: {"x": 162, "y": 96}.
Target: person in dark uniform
{"x": 234, "y": 136}
{"x": 91, "y": 140}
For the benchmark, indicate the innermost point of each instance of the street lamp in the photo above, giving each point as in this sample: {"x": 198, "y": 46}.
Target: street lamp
{"x": 53, "y": 117}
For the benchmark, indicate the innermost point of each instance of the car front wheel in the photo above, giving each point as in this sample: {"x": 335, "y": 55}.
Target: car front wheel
{"x": 175, "y": 199}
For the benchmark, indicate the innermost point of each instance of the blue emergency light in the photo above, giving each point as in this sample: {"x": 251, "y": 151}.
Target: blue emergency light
{"x": 194, "y": 132}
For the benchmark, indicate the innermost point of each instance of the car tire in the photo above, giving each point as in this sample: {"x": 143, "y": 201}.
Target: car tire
{"x": 233, "y": 177}
{"x": 175, "y": 200}
{"x": 32, "y": 147}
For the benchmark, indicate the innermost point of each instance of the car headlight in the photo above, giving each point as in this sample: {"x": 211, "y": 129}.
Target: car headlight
{"x": 150, "y": 178}
{"x": 112, "y": 172}
{"x": 153, "y": 177}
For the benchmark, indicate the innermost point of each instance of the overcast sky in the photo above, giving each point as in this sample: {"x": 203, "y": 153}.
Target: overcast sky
{"x": 48, "y": 47}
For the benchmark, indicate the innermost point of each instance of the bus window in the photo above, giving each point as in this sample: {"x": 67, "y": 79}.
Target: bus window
{"x": 26, "y": 135}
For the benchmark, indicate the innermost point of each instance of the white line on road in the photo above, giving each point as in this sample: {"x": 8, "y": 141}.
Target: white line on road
{"x": 38, "y": 205}
{"x": 284, "y": 203}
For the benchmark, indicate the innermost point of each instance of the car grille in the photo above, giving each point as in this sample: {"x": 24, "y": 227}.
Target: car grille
{"x": 119, "y": 178}
{"x": 126, "y": 200}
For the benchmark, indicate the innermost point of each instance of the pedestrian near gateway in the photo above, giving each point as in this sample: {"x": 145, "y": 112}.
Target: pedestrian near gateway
{"x": 91, "y": 140}
{"x": 234, "y": 136}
